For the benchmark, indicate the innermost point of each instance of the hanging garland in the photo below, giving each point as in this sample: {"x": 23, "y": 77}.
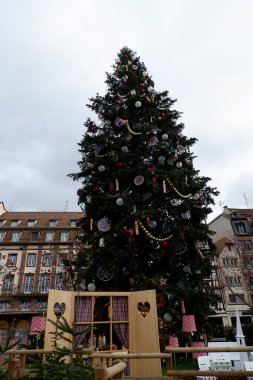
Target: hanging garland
{"x": 176, "y": 191}
{"x": 132, "y": 132}
{"x": 150, "y": 235}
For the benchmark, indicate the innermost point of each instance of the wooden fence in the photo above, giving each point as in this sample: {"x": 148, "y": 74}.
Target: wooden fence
{"x": 103, "y": 371}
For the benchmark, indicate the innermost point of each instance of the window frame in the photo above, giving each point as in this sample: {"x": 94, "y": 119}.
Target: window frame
{"x": 10, "y": 261}
{"x": 28, "y": 285}
{"x": 37, "y": 234}
{"x": 17, "y": 235}
{"x": 44, "y": 285}
{"x": 31, "y": 254}
{"x": 2, "y": 236}
{"x": 66, "y": 238}
{"x": 46, "y": 259}
{"x": 49, "y": 233}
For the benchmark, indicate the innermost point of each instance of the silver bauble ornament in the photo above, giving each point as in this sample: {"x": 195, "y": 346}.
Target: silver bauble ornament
{"x": 138, "y": 104}
{"x": 150, "y": 89}
{"x": 91, "y": 287}
{"x": 104, "y": 224}
{"x": 152, "y": 224}
{"x": 161, "y": 159}
{"x": 139, "y": 179}
{"x": 120, "y": 202}
{"x": 186, "y": 215}
{"x": 124, "y": 149}
{"x": 101, "y": 168}
{"x": 165, "y": 136}
{"x": 179, "y": 164}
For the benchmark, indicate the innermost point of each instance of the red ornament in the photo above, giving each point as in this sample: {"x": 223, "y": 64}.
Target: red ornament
{"x": 93, "y": 129}
{"x": 201, "y": 202}
{"x": 164, "y": 244}
{"x": 119, "y": 164}
{"x": 125, "y": 56}
{"x": 141, "y": 90}
{"x": 96, "y": 189}
{"x": 162, "y": 114}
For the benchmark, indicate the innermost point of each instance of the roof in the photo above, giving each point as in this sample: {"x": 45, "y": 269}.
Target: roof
{"x": 42, "y": 218}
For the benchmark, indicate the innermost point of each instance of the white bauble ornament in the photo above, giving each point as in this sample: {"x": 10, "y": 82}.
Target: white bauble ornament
{"x": 187, "y": 269}
{"x": 161, "y": 159}
{"x": 120, "y": 202}
{"x": 101, "y": 242}
{"x": 104, "y": 224}
{"x": 165, "y": 136}
{"x": 196, "y": 196}
{"x": 176, "y": 202}
{"x": 179, "y": 164}
{"x": 88, "y": 199}
{"x": 152, "y": 140}
{"x": 135, "y": 67}
{"x": 150, "y": 89}
{"x": 167, "y": 317}
{"x": 91, "y": 287}
{"x": 180, "y": 149}
{"x": 186, "y": 215}
{"x": 139, "y": 179}
{"x": 145, "y": 73}
{"x": 101, "y": 168}
{"x": 133, "y": 92}
{"x": 138, "y": 104}
{"x": 124, "y": 149}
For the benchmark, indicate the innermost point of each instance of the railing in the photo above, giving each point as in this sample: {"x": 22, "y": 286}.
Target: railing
{"x": 18, "y": 361}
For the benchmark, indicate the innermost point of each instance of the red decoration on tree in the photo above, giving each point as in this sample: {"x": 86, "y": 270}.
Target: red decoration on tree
{"x": 96, "y": 189}
{"x": 119, "y": 164}
{"x": 141, "y": 90}
{"x": 93, "y": 129}
{"x": 164, "y": 244}
{"x": 201, "y": 202}
{"x": 162, "y": 114}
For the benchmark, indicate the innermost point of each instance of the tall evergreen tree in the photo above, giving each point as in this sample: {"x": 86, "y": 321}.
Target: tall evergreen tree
{"x": 145, "y": 203}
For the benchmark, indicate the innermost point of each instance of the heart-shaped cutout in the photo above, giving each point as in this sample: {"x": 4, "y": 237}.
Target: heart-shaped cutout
{"x": 59, "y": 309}
{"x": 143, "y": 308}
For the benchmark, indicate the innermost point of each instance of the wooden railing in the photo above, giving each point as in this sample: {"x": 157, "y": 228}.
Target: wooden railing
{"x": 103, "y": 371}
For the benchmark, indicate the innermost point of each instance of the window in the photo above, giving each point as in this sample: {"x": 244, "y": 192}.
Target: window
{"x": 240, "y": 226}
{"x": 60, "y": 260}
{"x": 5, "y": 305}
{"x": 2, "y": 235}
{"x": 47, "y": 259}
{"x": 12, "y": 259}
{"x": 230, "y": 262}
{"x": 31, "y": 223}
{"x": 28, "y": 285}
{"x": 236, "y": 298}
{"x": 49, "y": 236}
{"x": 41, "y": 304}
{"x": 16, "y": 236}
{"x": 73, "y": 223}
{"x": 2, "y": 222}
{"x": 60, "y": 281}
{"x": 34, "y": 236}
{"x": 53, "y": 223}
{"x": 31, "y": 260}
{"x": 8, "y": 284}
{"x": 44, "y": 283}
{"x": 14, "y": 223}
{"x": 236, "y": 280}
{"x": 25, "y": 305}
{"x": 64, "y": 236}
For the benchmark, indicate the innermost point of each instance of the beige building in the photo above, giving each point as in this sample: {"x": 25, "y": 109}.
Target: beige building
{"x": 233, "y": 238}
{"x": 32, "y": 246}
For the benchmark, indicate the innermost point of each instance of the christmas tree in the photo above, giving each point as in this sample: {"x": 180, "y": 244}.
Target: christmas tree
{"x": 145, "y": 204}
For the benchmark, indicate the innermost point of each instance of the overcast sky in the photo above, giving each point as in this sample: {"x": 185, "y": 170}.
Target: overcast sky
{"x": 54, "y": 55}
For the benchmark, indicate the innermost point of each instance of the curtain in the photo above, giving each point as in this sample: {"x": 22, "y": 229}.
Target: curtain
{"x": 120, "y": 313}
{"x": 82, "y": 314}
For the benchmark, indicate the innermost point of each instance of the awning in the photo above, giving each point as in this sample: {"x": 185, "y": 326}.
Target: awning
{"x": 38, "y": 324}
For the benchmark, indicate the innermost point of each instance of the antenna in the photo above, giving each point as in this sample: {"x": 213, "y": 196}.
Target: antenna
{"x": 66, "y": 206}
{"x": 246, "y": 200}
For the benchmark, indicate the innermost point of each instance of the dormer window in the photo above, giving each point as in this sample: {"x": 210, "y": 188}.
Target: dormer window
{"x": 53, "y": 223}
{"x": 2, "y": 222}
{"x": 31, "y": 223}
{"x": 73, "y": 223}
{"x": 241, "y": 226}
{"x": 15, "y": 223}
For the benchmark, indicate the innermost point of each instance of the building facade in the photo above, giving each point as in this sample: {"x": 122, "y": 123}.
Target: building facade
{"x": 233, "y": 236}
{"x": 32, "y": 247}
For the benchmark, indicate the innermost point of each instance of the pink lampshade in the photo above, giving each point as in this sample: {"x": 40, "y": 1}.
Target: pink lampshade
{"x": 189, "y": 324}
{"x": 173, "y": 341}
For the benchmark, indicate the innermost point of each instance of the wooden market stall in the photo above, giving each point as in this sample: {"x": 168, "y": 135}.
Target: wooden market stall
{"x": 115, "y": 321}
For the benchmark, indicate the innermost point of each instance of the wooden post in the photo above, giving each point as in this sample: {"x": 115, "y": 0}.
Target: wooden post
{"x": 13, "y": 366}
{"x": 169, "y": 364}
